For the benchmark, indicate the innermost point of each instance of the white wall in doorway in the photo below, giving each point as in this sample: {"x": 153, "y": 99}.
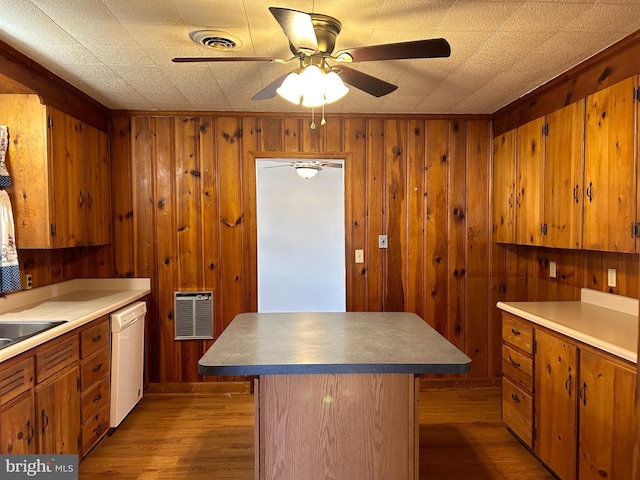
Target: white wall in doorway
{"x": 301, "y": 239}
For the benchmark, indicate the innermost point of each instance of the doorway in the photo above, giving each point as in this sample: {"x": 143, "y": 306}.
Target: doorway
{"x": 301, "y": 238}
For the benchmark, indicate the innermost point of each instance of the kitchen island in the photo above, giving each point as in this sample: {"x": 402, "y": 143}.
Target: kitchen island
{"x": 336, "y": 392}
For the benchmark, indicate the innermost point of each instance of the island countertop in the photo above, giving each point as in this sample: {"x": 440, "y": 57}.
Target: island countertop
{"x": 352, "y": 342}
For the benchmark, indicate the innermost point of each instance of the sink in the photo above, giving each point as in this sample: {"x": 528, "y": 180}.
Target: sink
{"x": 14, "y": 331}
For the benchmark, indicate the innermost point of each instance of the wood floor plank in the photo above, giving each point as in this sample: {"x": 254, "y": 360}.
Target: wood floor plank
{"x": 180, "y": 436}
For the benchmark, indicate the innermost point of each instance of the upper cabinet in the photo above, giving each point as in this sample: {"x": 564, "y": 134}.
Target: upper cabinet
{"x": 61, "y": 176}
{"x": 529, "y": 170}
{"x": 575, "y": 176}
{"x": 504, "y": 187}
{"x": 563, "y": 177}
{"x": 610, "y": 171}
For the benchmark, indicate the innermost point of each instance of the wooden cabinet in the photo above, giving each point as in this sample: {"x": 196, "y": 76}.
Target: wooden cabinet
{"x": 577, "y": 415}
{"x": 610, "y": 169}
{"x": 555, "y": 403}
{"x": 60, "y": 172}
{"x": 563, "y": 177}
{"x": 504, "y": 187}
{"x": 57, "y": 409}
{"x": 17, "y": 411}
{"x": 517, "y": 379}
{"x": 606, "y": 417}
{"x": 529, "y": 187}
{"x": 94, "y": 382}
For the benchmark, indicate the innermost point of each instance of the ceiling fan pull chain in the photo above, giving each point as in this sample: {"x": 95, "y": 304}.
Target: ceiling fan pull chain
{"x": 323, "y": 121}
{"x": 313, "y": 118}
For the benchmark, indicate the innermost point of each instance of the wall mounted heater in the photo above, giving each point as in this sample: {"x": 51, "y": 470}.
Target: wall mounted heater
{"x": 193, "y": 315}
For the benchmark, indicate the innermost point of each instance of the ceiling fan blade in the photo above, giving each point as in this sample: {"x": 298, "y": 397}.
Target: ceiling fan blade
{"x": 270, "y": 90}
{"x": 371, "y": 85}
{"x": 332, "y": 165}
{"x": 221, "y": 59}
{"x": 298, "y": 28}
{"x": 430, "y": 48}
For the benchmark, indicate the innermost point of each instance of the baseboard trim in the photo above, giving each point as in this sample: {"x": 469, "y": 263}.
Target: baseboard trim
{"x": 225, "y": 388}
{"x": 459, "y": 383}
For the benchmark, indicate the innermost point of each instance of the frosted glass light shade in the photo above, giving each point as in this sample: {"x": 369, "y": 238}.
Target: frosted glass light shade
{"x": 312, "y": 87}
{"x": 334, "y": 88}
{"x": 307, "y": 172}
{"x": 291, "y": 88}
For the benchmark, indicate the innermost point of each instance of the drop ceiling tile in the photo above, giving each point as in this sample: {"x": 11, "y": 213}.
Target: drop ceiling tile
{"x": 422, "y": 17}
{"x": 606, "y": 17}
{"x": 206, "y": 14}
{"x": 483, "y": 16}
{"x": 144, "y": 12}
{"x": 68, "y": 12}
{"x": 542, "y": 16}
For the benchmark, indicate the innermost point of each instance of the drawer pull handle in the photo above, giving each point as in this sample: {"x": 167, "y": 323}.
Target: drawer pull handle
{"x": 98, "y": 429}
{"x": 515, "y": 398}
{"x": 582, "y": 393}
{"x": 31, "y": 432}
{"x": 567, "y": 385}
{"x": 514, "y": 363}
{"x": 97, "y": 368}
{"x": 515, "y": 332}
{"x": 97, "y": 398}
{"x": 97, "y": 338}
{"x": 45, "y": 421}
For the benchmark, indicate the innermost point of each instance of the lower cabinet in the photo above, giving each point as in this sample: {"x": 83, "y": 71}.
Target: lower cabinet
{"x": 555, "y": 403}
{"x": 605, "y": 409}
{"x": 55, "y": 397}
{"x": 582, "y": 415}
{"x": 57, "y": 403}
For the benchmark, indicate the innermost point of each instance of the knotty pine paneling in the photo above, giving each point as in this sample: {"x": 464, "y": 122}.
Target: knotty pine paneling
{"x": 188, "y": 219}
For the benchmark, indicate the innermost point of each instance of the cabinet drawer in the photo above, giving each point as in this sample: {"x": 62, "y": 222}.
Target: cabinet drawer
{"x": 517, "y": 332}
{"x": 94, "y": 338}
{"x": 94, "y": 429}
{"x": 94, "y": 368}
{"x": 56, "y": 355}
{"x": 16, "y": 378}
{"x": 94, "y": 399}
{"x": 517, "y": 366}
{"x": 517, "y": 411}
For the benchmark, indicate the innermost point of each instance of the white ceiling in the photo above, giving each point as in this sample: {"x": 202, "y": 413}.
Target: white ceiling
{"x": 119, "y": 51}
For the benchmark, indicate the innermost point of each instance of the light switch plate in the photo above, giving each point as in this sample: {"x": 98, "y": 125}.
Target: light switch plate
{"x": 552, "y": 269}
{"x": 359, "y": 256}
{"x": 611, "y": 277}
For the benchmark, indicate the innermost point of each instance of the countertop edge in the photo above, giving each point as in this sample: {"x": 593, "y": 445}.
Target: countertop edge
{"x": 37, "y": 340}
{"x": 583, "y": 337}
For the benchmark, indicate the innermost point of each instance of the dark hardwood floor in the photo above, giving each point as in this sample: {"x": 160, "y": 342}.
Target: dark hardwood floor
{"x": 176, "y": 436}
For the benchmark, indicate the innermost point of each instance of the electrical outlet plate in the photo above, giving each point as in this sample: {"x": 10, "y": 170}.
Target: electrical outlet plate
{"x": 28, "y": 281}
{"x": 383, "y": 241}
{"x": 611, "y": 277}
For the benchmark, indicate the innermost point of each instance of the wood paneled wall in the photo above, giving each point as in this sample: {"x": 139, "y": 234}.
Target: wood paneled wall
{"x": 185, "y": 217}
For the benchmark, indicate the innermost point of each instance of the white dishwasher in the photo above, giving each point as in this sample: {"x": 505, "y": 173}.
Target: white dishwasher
{"x": 127, "y": 360}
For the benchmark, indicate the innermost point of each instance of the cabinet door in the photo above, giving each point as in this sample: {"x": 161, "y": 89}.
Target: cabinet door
{"x": 58, "y": 414}
{"x": 606, "y": 418}
{"x": 66, "y": 176}
{"x": 610, "y": 176}
{"x": 563, "y": 177}
{"x": 555, "y": 403}
{"x": 97, "y": 176}
{"x": 503, "y": 187}
{"x": 18, "y": 427}
{"x": 529, "y": 168}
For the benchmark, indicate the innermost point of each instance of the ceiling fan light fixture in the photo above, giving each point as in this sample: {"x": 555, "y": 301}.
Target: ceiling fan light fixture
{"x": 312, "y": 87}
{"x": 307, "y": 171}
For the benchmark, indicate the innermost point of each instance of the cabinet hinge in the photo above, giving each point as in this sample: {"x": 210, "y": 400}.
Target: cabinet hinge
{"x": 53, "y": 229}
{"x": 635, "y": 229}
{"x": 49, "y": 121}
{"x": 535, "y": 434}
{"x": 545, "y": 130}
{"x": 543, "y": 229}
{"x": 535, "y": 347}
{"x": 636, "y": 95}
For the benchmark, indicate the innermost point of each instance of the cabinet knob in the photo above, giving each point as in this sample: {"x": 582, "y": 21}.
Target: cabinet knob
{"x": 515, "y": 398}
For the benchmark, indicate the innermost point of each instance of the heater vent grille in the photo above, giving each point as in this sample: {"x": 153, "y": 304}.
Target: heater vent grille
{"x": 193, "y": 315}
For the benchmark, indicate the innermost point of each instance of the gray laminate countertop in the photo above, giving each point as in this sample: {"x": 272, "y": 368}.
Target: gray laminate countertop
{"x": 352, "y": 342}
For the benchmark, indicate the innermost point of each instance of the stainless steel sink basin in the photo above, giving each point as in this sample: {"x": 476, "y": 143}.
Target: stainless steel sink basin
{"x": 14, "y": 331}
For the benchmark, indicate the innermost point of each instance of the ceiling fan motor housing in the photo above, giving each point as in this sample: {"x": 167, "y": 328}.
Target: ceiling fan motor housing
{"x": 326, "y": 29}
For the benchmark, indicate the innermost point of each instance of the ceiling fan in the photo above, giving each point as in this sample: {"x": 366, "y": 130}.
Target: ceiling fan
{"x": 308, "y": 168}
{"x": 312, "y": 38}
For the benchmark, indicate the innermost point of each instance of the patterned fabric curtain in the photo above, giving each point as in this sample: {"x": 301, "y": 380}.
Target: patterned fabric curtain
{"x": 5, "y": 179}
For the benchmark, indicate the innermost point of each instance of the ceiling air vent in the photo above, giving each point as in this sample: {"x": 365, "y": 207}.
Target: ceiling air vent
{"x": 215, "y": 39}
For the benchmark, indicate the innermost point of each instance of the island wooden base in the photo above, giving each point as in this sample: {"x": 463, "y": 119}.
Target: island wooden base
{"x": 336, "y": 426}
